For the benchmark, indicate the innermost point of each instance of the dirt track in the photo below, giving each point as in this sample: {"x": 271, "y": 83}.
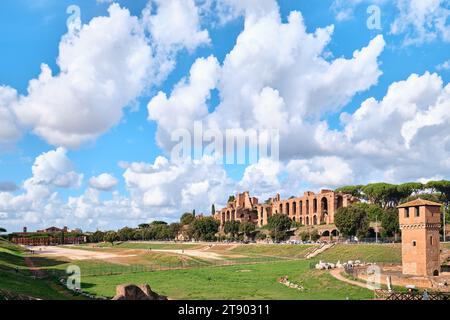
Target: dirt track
{"x": 76, "y": 254}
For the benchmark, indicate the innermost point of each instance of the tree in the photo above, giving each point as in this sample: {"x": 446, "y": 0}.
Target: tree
{"x": 384, "y": 194}
{"x": 409, "y": 188}
{"x": 261, "y": 236}
{"x": 161, "y": 231}
{"x": 174, "y": 230}
{"x": 443, "y": 187}
{"x": 353, "y": 190}
{"x": 436, "y": 197}
{"x": 352, "y": 221}
{"x": 304, "y": 236}
{"x": 247, "y": 228}
{"x": 187, "y": 218}
{"x": 205, "y": 228}
{"x": 144, "y": 226}
{"x": 232, "y": 227}
{"x": 213, "y": 210}
{"x": 278, "y": 225}
{"x": 315, "y": 235}
{"x": 96, "y": 237}
{"x": 155, "y": 223}
{"x": 390, "y": 223}
{"x": 231, "y": 199}
{"x": 111, "y": 236}
{"x": 373, "y": 211}
{"x": 125, "y": 234}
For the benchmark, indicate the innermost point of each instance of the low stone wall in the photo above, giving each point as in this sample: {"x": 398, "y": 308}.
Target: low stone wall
{"x": 400, "y": 280}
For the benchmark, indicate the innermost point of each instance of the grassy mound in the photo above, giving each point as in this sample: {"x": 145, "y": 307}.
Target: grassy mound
{"x": 15, "y": 277}
{"x": 382, "y": 253}
{"x": 276, "y": 250}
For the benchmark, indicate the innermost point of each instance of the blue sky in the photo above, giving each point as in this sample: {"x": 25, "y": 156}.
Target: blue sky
{"x": 30, "y": 34}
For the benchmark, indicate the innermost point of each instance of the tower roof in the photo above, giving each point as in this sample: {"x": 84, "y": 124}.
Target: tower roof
{"x": 419, "y": 202}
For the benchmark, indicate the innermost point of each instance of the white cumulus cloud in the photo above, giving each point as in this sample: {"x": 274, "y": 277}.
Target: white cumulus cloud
{"x": 104, "y": 182}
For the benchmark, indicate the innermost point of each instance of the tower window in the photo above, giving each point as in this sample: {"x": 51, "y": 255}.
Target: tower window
{"x": 417, "y": 211}
{"x": 406, "y": 212}
{"x": 431, "y": 240}
{"x": 414, "y": 243}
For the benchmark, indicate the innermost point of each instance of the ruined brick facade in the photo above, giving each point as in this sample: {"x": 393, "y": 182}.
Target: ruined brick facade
{"x": 310, "y": 209}
{"x": 420, "y": 222}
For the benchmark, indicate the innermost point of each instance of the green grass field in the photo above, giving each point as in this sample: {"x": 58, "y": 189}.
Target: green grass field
{"x": 382, "y": 253}
{"x": 278, "y": 250}
{"x": 246, "y": 282}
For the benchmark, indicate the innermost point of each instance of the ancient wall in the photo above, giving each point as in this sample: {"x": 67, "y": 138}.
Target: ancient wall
{"x": 309, "y": 210}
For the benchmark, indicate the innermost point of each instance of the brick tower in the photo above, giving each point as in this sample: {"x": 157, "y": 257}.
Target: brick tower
{"x": 420, "y": 221}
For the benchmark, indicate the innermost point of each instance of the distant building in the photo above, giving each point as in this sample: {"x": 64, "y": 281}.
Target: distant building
{"x": 48, "y": 237}
{"x": 52, "y": 230}
{"x": 420, "y": 221}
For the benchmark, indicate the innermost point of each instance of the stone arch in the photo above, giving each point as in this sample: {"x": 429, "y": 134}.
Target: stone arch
{"x": 323, "y": 209}
{"x": 287, "y": 209}
{"x": 334, "y": 233}
{"x": 228, "y": 216}
{"x": 435, "y": 273}
{"x": 281, "y": 208}
{"x": 307, "y": 221}
{"x": 339, "y": 202}
{"x": 307, "y": 206}
{"x": 314, "y": 205}
{"x": 294, "y": 208}
{"x": 326, "y": 233}
{"x": 314, "y": 220}
{"x": 300, "y": 207}
{"x": 301, "y": 220}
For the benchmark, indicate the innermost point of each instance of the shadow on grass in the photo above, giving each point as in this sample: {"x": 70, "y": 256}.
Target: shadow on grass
{"x": 12, "y": 259}
{"x": 45, "y": 262}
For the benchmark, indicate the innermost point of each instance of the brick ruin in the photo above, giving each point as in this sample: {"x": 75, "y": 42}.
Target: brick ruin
{"x": 311, "y": 209}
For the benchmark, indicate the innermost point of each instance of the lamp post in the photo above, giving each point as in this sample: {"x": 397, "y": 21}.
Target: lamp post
{"x": 376, "y": 229}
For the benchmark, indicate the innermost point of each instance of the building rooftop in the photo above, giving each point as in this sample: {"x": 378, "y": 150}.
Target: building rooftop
{"x": 419, "y": 202}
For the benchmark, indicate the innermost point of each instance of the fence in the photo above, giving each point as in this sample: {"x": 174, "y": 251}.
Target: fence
{"x": 415, "y": 295}
{"x": 6, "y": 295}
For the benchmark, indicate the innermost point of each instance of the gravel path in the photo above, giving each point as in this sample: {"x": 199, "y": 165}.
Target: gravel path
{"x": 336, "y": 273}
